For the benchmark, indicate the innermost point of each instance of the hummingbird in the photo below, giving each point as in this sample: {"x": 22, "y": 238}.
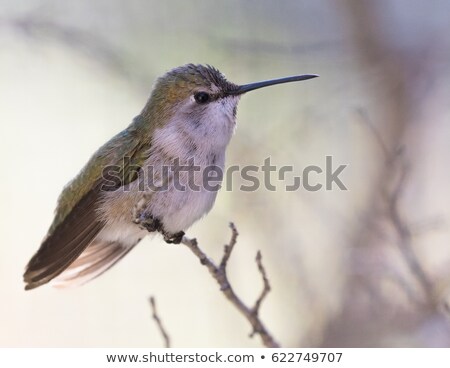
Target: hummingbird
{"x": 190, "y": 116}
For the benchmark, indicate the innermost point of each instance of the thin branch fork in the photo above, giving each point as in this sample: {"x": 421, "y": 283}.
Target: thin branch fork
{"x": 405, "y": 236}
{"x": 395, "y": 162}
{"x": 158, "y": 322}
{"x": 219, "y": 273}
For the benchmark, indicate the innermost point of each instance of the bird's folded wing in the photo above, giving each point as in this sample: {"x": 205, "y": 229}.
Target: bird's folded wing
{"x": 76, "y": 222}
{"x": 68, "y": 240}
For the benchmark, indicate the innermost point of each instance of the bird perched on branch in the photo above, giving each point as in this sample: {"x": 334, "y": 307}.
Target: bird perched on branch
{"x": 149, "y": 178}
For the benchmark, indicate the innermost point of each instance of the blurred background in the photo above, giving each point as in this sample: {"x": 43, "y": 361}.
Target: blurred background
{"x": 369, "y": 266}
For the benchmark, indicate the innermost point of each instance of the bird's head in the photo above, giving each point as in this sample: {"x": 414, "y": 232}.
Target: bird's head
{"x": 202, "y": 100}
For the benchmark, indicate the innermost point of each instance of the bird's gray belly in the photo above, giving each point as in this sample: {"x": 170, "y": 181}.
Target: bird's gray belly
{"x": 178, "y": 210}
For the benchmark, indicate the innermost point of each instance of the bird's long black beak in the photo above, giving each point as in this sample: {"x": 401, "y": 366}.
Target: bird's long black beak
{"x": 252, "y": 86}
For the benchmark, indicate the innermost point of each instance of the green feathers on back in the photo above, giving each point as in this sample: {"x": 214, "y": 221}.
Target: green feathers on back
{"x": 132, "y": 143}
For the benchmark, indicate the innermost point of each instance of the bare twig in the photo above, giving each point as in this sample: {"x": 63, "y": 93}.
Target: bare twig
{"x": 405, "y": 237}
{"x": 375, "y": 133}
{"x": 36, "y": 25}
{"x": 266, "y": 287}
{"x": 158, "y": 322}
{"x": 395, "y": 162}
{"x": 264, "y": 291}
{"x": 219, "y": 273}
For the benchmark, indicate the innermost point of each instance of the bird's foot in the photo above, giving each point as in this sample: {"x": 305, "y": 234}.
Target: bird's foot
{"x": 173, "y": 238}
{"x": 148, "y": 222}
{"x": 143, "y": 218}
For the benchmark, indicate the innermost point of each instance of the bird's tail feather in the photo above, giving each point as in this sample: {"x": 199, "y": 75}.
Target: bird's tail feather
{"x": 97, "y": 258}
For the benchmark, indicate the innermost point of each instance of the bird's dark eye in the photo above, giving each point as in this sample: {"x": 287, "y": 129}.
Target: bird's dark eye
{"x": 202, "y": 97}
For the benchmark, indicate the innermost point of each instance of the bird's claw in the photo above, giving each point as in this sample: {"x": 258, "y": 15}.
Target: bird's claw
{"x": 152, "y": 224}
{"x": 149, "y": 223}
{"x": 173, "y": 238}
